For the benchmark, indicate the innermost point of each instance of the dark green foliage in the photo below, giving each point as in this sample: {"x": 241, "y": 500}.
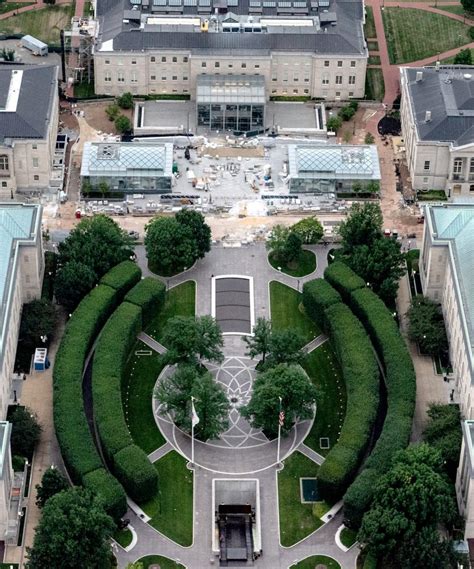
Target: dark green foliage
{"x": 284, "y": 244}
{"x": 284, "y": 347}
{"x": 136, "y": 473}
{"x": 334, "y": 123}
{"x": 258, "y": 343}
{"x": 318, "y": 295}
{"x": 52, "y": 483}
{"x": 50, "y": 265}
{"x": 123, "y": 276}
{"x": 149, "y": 294}
{"x": 111, "y": 353}
{"x": 123, "y": 124}
{"x": 199, "y": 228}
{"x": 25, "y": 432}
{"x": 410, "y": 501}
{"x": 362, "y": 226}
{"x": 74, "y": 531}
{"x": 108, "y": 491}
{"x": 426, "y": 326}
{"x": 38, "y": 320}
{"x": 292, "y": 247}
{"x": 297, "y": 393}
{"x": 125, "y": 101}
{"x": 343, "y": 279}
{"x": 443, "y": 432}
{"x": 73, "y": 281}
{"x": 361, "y": 375}
{"x": 401, "y": 390}
{"x": 463, "y": 57}
{"x": 309, "y": 229}
{"x": 347, "y": 112}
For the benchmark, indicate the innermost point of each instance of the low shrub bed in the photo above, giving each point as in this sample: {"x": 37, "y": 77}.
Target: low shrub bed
{"x": 343, "y": 279}
{"x": 149, "y": 295}
{"x": 122, "y": 277}
{"x": 136, "y": 473}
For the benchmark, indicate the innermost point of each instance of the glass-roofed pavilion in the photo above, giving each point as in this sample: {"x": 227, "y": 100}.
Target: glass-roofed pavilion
{"x": 333, "y": 168}
{"x": 128, "y": 166}
{"x": 231, "y": 102}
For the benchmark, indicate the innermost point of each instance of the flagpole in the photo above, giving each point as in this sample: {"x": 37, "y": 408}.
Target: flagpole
{"x": 279, "y": 434}
{"x": 192, "y": 433}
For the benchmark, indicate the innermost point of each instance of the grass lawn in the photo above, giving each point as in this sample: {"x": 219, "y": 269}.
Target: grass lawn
{"x": 374, "y": 85}
{"x": 459, "y": 10}
{"x": 287, "y": 312}
{"x": 82, "y": 90}
{"x": 432, "y": 195}
{"x": 369, "y": 28}
{"x": 304, "y": 265}
{"x": 180, "y": 301}
{"x": 163, "y": 562}
{"x": 324, "y": 371}
{"x": 137, "y": 394}
{"x": 315, "y": 560}
{"x": 9, "y": 6}
{"x": 171, "y": 509}
{"x": 373, "y": 45}
{"x": 296, "y": 519}
{"x": 43, "y": 24}
{"x": 123, "y": 537}
{"x": 374, "y": 60}
{"x": 415, "y": 34}
{"x": 348, "y": 537}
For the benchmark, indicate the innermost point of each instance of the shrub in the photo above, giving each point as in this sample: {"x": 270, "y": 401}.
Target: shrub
{"x": 400, "y": 381}
{"x": 318, "y": 295}
{"x": 149, "y": 294}
{"x": 112, "y": 111}
{"x": 125, "y": 101}
{"x": 109, "y": 491}
{"x": 111, "y": 353}
{"x": 369, "y": 138}
{"x": 122, "y": 277}
{"x": 346, "y": 113}
{"x": 123, "y": 124}
{"x": 136, "y": 473}
{"x": 343, "y": 279}
{"x": 334, "y": 123}
{"x": 361, "y": 375}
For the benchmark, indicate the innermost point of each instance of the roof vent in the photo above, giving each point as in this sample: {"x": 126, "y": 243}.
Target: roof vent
{"x": 419, "y": 76}
{"x": 467, "y": 76}
{"x": 438, "y": 64}
{"x": 427, "y": 116}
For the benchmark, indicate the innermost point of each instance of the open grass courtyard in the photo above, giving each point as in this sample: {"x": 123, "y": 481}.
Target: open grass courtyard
{"x": 171, "y": 509}
{"x": 304, "y": 265}
{"x": 287, "y": 312}
{"x": 415, "y": 34}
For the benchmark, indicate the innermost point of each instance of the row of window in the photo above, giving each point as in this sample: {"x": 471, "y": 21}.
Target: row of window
{"x": 457, "y": 166}
{"x": 185, "y": 59}
{"x": 153, "y": 59}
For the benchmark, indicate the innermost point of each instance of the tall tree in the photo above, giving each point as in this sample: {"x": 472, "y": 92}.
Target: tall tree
{"x": 38, "y": 321}
{"x": 26, "y": 432}
{"x": 170, "y": 246}
{"x": 285, "y": 347}
{"x": 362, "y": 226}
{"x": 174, "y": 393}
{"x": 468, "y": 5}
{"x": 212, "y": 408}
{"x": 258, "y": 343}
{"x": 73, "y": 532}
{"x": 309, "y": 229}
{"x": 426, "y": 325}
{"x": 463, "y": 57}
{"x": 292, "y": 248}
{"x": 52, "y": 483}
{"x": 201, "y": 231}
{"x": 413, "y": 496}
{"x": 276, "y": 242}
{"x": 209, "y": 339}
{"x": 73, "y": 281}
{"x": 297, "y": 392}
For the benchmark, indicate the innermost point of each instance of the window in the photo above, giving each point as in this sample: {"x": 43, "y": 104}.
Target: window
{"x": 295, "y": 91}
{"x": 185, "y": 77}
{"x": 163, "y": 77}
{"x": 338, "y": 79}
{"x": 457, "y": 166}
{"x": 326, "y": 63}
{"x": 35, "y": 163}
{"x": 36, "y": 177}
{"x": 203, "y": 64}
{"x": 121, "y": 77}
{"x": 352, "y": 79}
{"x": 175, "y": 60}
{"x": 152, "y": 77}
{"x": 34, "y": 146}
{"x": 338, "y": 93}
{"x": 353, "y": 63}
{"x": 471, "y": 166}
{"x": 325, "y": 80}
{"x": 244, "y": 65}
{"x": 163, "y": 59}
{"x": 4, "y": 163}
{"x": 295, "y": 79}
{"x": 274, "y": 78}
{"x": 27, "y": 279}
{"x": 306, "y": 91}
{"x": 175, "y": 78}
{"x": 425, "y": 180}
{"x": 426, "y": 165}
{"x": 257, "y": 66}
{"x": 107, "y": 62}
{"x": 351, "y": 93}
{"x": 230, "y": 65}
{"x": 133, "y": 77}
{"x": 153, "y": 59}
{"x": 134, "y": 61}
{"x": 107, "y": 77}
{"x": 471, "y": 187}
{"x": 339, "y": 63}
{"x": 217, "y": 64}
{"x": 4, "y": 184}
{"x": 274, "y": 91}
{"x": 185, "y": 59}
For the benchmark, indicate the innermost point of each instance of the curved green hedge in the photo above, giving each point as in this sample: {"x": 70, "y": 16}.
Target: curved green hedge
{"x": 122, "y": 277}
{"x": 149, "y": 294}
{"x": 317, "y": 296}
{"x": 400, "y": 381}
{"x": 138, "y": 476}
{"x": 75, "y": 440}
{"x": 343, "y": 279}
{"x": 109, "y": 490}
{"x": 361, "y": 375}
{"x": 111, "y": 353}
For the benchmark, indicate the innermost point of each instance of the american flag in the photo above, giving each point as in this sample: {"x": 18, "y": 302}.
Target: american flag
{"x": 281, "y": 418}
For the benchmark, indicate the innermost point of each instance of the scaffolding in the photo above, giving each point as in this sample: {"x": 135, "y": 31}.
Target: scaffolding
{"x": 79, "y": 45}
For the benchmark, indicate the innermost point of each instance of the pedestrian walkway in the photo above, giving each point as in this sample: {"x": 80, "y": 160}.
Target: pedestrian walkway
{"x": 319, "y": 341}
{"x": 311, "y": 454}
{"x": 160, "y": 452}
{"x": 151, "y": 343}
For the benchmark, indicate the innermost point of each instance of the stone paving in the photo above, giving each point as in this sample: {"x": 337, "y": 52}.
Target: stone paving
{"x": 258, "y": 459}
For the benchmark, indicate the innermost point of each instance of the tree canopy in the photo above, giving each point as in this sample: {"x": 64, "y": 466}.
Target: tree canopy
{"x": 73, "y": 281}
{"x": 362, "y": 226}
{"x": 297, "y": 393}
{"x": 309, "y": 230}
{"x": 285, "y": 347}
{"x": 259, "y": 343}
{"x": 200, "y": 230}
{"x": 73, "y": 532}
{"x": 26, "y": 432}
{"x": 426, "y": 326}
{"x": 38, "y": 322}
{"x": 52, "y": 483}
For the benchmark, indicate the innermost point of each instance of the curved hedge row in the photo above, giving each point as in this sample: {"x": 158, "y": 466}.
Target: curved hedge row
{"x": 343, "y": 279}
{"x": 75, "y": 440}
{"x": 318, "y": 295}
{"x": 128, "y": 462}
{"x": 122, "y": 277}
{"x": 361, "y": 375}
{"x": 400, "y": 381}
{"x": 149, "y": 294}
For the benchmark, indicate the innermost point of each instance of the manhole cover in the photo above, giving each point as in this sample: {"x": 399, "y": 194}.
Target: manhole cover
{"x": 234, "y": 399}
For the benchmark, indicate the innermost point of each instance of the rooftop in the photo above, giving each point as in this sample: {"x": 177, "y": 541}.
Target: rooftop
{"x": 455, "y": 223}
{"x": 127, "y": 159}
{"x": 27, "y": 93}
{"x": 442, "y": 102}
{"x": 334, "y": 161}
{"x": 317, "y": 26}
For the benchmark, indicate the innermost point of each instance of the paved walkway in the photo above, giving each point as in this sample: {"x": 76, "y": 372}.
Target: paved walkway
{"x": 311, "y": 454}
{"x": 319, "y": 341}
{"x": 160, "y": 452}
{"x": 151, "y": 343}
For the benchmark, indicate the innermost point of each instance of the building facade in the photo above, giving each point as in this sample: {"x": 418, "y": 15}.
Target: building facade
{"x": 437, "y": 116}
{"x": 28, "y": 128}
{"x": 300, "y": 48}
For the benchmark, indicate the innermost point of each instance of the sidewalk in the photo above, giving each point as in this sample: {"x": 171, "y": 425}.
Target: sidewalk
{"x": 37, "y": 394}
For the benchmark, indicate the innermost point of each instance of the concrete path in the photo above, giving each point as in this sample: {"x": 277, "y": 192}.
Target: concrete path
{"x": 319, "y": 341}
{"x": 311, "y": 454}
{"x": 160, "y": 452}
{"x": 151, "y": 343}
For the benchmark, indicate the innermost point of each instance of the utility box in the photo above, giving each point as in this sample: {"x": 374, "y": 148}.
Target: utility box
{"x": 41, "y": 362}
{"x": 37, "y": 47}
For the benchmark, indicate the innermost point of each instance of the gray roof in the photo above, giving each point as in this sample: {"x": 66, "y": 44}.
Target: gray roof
{"x": 38, "y": 89}
{"x": 448, "y": 94}
{"x": 345, "y": 37}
